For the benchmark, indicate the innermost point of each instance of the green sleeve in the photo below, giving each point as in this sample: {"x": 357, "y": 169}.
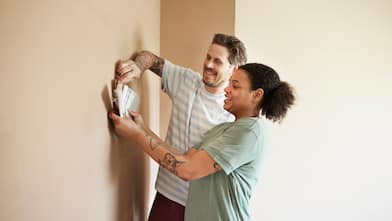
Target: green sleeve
{"x": 233, "y": 148}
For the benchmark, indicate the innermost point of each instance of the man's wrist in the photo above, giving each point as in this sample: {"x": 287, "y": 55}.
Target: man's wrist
{"x": 140, "y": 66}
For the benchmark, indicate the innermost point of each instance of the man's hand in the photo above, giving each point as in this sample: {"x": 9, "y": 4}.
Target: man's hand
{"x": 126, "y": 127}
{"x": 127, "y": 70}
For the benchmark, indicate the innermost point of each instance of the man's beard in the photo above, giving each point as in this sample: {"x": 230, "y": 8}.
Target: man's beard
{"x": 213, "y": 84}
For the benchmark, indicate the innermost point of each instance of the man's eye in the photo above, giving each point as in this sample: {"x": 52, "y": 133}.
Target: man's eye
{"x": 218, "y": 62}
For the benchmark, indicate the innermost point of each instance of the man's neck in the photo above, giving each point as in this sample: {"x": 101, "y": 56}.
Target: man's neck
{"x": 214, "y": 90}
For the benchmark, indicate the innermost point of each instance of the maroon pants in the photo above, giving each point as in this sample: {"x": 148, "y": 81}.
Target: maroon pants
{"x": 164, "y": 209}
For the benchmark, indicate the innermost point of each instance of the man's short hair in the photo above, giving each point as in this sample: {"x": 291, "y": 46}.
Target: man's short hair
{"x": 237, "y": 50}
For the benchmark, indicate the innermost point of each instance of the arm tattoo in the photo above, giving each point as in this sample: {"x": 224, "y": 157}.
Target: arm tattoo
{"x": 157, "y": 68}
{"x": 153, "y": 143}
{"x": 170, "y": 162}
{"x": 147, "y": 60}
{"x": 217, "y": 167}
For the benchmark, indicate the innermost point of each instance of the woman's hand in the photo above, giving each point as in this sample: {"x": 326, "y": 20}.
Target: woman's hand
{"x": 137, "y": 117}
{"x": 127, "y": 127}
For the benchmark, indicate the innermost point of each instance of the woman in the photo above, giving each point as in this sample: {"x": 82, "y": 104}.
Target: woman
{"x": 223, "y": 168}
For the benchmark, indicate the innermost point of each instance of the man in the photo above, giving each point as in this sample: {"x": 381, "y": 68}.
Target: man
{"x": 197, "y": 107}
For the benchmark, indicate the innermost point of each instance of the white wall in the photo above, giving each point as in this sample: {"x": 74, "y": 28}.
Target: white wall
{"x": 330, "y": 158}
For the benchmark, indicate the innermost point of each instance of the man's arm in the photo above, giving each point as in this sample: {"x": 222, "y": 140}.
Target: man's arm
{"x": 147, "y": 60}
{"x": 137, "y": 64}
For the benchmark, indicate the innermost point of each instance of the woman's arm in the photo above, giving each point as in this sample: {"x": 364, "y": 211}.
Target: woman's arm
{"x": 191, "y": 165}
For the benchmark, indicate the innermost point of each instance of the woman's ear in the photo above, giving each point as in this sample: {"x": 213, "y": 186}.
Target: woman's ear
{"x": 259, "y": 92}
{"x": 258, "y": 95}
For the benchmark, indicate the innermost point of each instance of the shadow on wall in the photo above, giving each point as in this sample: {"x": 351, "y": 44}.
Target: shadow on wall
{"x": 128, "y": 166}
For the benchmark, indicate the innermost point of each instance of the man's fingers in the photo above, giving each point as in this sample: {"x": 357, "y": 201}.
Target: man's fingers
{"x": 123, "y": 66}
{"x": 124, "y": 76}
{"x": 124, "y": 70}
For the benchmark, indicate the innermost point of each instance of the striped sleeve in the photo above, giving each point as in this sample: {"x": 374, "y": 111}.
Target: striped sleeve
{"x": 175, "y": 79}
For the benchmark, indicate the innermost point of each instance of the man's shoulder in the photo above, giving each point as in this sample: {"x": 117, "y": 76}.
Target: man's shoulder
{"x": 171, "y": 68}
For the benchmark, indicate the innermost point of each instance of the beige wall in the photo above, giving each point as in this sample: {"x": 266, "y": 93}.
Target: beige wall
{"x": 187, "y": 28}
{"x": 330, "y": 159}
{"x": 58, "y": 157}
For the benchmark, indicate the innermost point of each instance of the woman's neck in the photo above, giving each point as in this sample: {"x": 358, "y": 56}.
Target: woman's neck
{"x": 245, "y": 115}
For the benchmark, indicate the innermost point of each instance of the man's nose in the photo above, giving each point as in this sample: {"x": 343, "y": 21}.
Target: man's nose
{"x": 209, "y": 64}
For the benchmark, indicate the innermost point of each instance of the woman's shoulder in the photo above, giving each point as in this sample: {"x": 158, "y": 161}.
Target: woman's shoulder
{"x": 255, "y": 125}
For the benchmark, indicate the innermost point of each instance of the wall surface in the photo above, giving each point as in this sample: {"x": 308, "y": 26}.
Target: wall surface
{"x": 187, "y": 28}
{"x": 59, "y": 160}
{"x": 330, "y": 159}
{"x": 58, "y": 157}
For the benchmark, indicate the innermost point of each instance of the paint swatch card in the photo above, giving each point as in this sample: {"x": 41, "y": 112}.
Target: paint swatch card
{"x": 124, "y": 98}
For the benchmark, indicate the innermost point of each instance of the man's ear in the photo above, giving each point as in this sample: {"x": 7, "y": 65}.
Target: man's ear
{"x": 234, "y": 68}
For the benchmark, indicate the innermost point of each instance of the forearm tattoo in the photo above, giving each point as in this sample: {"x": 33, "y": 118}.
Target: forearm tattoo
{"x": 147, "y": 60}
{"x": 217, "y": 167}
{"x": 170, "y": 162}
{"x": 153, "y": 143}
{"x": 158, "y": 66}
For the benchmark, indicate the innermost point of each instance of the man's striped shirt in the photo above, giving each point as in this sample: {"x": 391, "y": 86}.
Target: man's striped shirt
{"x": 194, "y": 112}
